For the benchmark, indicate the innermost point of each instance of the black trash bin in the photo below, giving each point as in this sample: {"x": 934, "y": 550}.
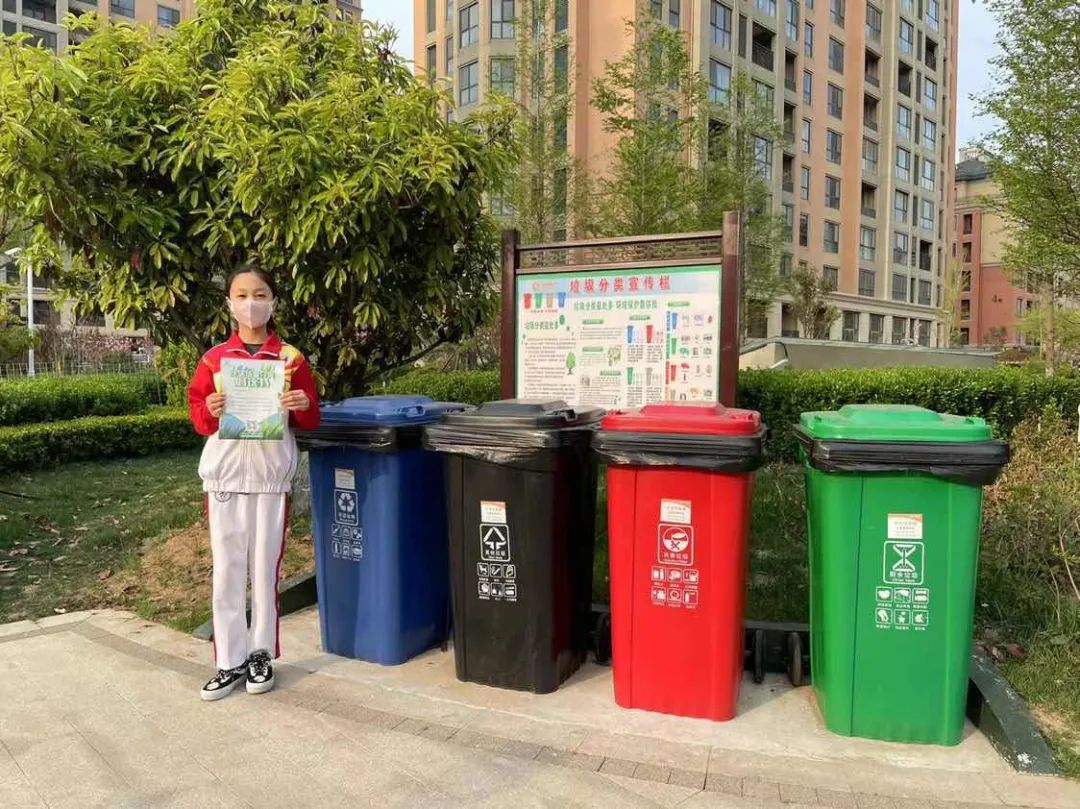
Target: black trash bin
{"x": 521, "y": 503}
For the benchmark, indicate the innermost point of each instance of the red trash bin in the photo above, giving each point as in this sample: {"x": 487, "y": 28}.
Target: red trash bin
{"x": 679, "y": 484}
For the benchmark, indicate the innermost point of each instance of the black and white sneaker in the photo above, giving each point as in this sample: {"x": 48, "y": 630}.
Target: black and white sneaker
{"x": 260, "y": 673}
{"x": 222, "y": 683}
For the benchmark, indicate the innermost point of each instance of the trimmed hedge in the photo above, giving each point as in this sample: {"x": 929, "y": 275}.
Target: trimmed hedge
{"x": 59, "y": 398}
{"x": 94, "y": 438}
{"x": 1003, "y": 395}
{"x": 466, "y": 387}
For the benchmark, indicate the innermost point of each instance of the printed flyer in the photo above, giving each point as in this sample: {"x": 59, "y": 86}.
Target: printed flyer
{"x": 620, "y": 338}
{"x": 253, "y": 390}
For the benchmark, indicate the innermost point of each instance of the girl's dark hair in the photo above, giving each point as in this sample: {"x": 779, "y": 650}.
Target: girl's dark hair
{"x": 243, "y": 269}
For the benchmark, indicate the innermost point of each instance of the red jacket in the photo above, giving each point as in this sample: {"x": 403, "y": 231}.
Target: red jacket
{"x": 250, "y": 466}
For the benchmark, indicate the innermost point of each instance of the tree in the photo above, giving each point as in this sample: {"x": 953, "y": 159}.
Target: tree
{"x": 1035, "y": 151}
{"x": 687, "y": 152}
{"x": 15, "y": 338}
{"x": 260, "y": 130}
{"x": 1066, "y": 329}
{"x": 809, "y": 293}
{"x": 548, "y": 188}
{"x": 953, "y": 287}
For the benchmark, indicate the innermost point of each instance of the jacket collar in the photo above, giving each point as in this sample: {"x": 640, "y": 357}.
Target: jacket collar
{"x": 271, "y": 348}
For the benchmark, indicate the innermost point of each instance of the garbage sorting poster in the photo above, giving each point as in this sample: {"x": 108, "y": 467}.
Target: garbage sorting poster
{"x": 620, "y": 338}
{"x": 252, "y": 391}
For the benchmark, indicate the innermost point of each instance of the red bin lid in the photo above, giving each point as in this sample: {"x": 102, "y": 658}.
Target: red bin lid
{"x": 700, "y": 418}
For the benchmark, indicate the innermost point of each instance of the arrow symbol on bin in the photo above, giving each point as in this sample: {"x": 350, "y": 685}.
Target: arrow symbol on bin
{"x": 494, "y": 538}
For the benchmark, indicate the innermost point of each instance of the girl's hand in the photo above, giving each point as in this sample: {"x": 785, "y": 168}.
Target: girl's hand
{"x": 295, "y": 400}
{"x": 215, "y": 403}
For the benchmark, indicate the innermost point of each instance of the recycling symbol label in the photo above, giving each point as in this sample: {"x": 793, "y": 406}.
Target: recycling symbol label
{"x": 345, "y": 511}
{"x": 494, "y": 542}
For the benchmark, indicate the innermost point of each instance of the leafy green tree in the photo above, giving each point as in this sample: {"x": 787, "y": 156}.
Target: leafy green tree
{"x": 809, "y": 293}
{"x": 260, "y": 130}
{"x": 1035, "y": 151}
{"x": 687, "y": 153}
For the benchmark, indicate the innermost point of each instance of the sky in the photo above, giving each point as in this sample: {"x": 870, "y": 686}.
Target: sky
{"x": 977, "y": 31}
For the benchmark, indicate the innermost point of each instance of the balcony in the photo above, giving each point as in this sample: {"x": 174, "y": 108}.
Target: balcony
{"x": 789, "y": 83}
{"x": 764, "y": 56}
{"x": 873, "y": 81}
{"x": 871, "y": 124}
{"x": 789, "y": 184}
{"x": 868, "y": 211}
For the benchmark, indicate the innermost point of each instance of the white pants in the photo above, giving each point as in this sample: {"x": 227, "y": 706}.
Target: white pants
{"x": 247, "y": 535}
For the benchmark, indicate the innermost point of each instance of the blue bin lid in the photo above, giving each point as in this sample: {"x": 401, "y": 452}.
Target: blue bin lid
{"x": 386, "y": 411}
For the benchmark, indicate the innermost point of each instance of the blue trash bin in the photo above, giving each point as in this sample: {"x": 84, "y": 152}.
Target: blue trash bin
{"x": 379, "y": 528}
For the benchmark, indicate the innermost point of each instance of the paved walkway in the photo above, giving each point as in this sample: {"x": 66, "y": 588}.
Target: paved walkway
{"x": 101, "y": 709}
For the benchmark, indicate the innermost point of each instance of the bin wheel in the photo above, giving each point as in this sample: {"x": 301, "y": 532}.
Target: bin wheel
{"x": 795, "y": 662}
{"x": 602, "y": 639}
{"x": 758, "y": 650}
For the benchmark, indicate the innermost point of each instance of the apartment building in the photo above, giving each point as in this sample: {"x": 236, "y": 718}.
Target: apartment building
{"x": 42, "y": 18}
{"x": 863, "y": 177}
{"x": 991, "y": 303}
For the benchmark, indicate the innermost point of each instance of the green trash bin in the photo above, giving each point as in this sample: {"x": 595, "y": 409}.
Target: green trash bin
{"x": 894, "y": 502}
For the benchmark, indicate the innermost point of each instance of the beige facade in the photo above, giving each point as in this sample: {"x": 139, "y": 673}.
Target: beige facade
{"x": 43, "y": 18}
{"x": 850, "y": 79}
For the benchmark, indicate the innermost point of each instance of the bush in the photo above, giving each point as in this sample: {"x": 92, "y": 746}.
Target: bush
{"x": 1003, "y": 396}
{"x": 58, "y": 398}
{"x": 94, "y": 438}
{"x": 467, "y": 387}
{"x": 177, "y": 364}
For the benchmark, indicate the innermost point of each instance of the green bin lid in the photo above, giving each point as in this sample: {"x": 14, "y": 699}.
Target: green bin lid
{"x": 893, "y": 423}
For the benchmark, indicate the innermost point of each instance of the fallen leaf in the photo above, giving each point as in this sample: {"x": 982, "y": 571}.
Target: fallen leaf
{"x": 104, "y": 574}
{"x": 60, "y": 558}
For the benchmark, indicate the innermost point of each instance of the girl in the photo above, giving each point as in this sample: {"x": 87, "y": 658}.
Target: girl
{"x": 247, "y": 485}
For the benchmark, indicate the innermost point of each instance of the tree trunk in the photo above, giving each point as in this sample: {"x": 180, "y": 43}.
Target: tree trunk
{"x": 1049, "y": 329}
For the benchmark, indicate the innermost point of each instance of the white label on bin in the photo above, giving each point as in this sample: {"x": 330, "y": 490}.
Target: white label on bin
{"x": 905, "y": 526}
{"x": 345, "y": 479}
{"x": 493, "y": 511}
{"x": 675, "y": 511}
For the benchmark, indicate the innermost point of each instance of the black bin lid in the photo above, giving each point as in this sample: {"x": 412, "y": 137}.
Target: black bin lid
{"x": 524, "y": 414}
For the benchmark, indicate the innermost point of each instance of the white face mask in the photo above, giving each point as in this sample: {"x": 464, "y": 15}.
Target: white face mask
{"x": 252, "y": 313}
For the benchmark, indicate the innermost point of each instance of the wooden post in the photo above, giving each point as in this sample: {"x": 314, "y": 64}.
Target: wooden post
{"x": 730, "y": 294}
{"x": 508, "y": 315}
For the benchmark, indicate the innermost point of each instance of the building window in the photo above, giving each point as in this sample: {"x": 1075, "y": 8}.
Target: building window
{"x": 804, "y": 182}
{"x": 469, "y": 23}
{"x": 469, "y": 84}
{"x": 850, "y": 331}
{"x": 831, "y": 276}
{"x": 903, "y": 164}
{"x": 168, "y": 17}
{"x": 832, "y": 192}
{"x": 836, "y": 55}
{"x": 907, "y": 37}
{"x": 562, "y": 15}
{"x": 929, "y": 134}
{"x": 873, "y": 23}
{"x": 791, "y": 26}
{"x": 965, "y": 252}
{"x": 39, "y": 10}
{"x": 831, "y": 240}
{"x": 449, "y": 57}
{"x": 869, "y": 156}
{"x": 926, "y": 214}
{"x": 804, "y": 230}
{"x": 967, "y": 223}
{"x": 836, "y": 101}
{"x": 768, "y": 6}
{"x": 501, "y": 76}
{"x": 432, "y": 61}
{"x": 924, "y": 332}
{"x": 899, "y": 288}
{"x": 502, "y": 19}
{"x": 765, "y": 95}
{"x": 833, "y": 145}
{"x": 499, "y": 204}
{"x": 125, "y": 8}
{"x": 930, "y": 94}
{"x": 674, "y": 13}
{"x": 932, "y": 14}
{"x": 899, "y": 326}
{"x": 867, "y": 243}
{"x": 789, "y": 220}
{"x": 785, "y": 265}
{"x": 562, "y": 68}
{"x": 763, "y": 157}
{"x": 965, "y": 309}
{"x": 449, "y": 13}
{"x": 836, "y": 12}
{"x": 965, "y": 337}
{"x": 808, "y": 39}
{"x": 867, "y": 283}
{"x": 903, "y": 122}
{"x": 720, "y": 17}
{"x": 877, "y": 328}
{"x": 900, "y": 248}
{"x": 719, "y": 82}
{"x": 807, "y": 87}
{"x": 901, "y": 202}
{"x": 925, "y": 291}
{"x": 9, "y": 28}
{"x": 806, "y": 136}
{"x": 929, "y": 169}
